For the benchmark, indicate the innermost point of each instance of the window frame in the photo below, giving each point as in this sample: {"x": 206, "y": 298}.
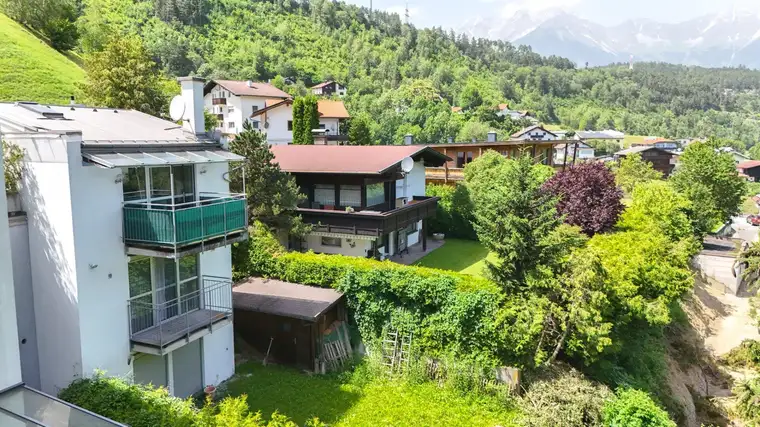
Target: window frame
{"x": 329, "y": 245}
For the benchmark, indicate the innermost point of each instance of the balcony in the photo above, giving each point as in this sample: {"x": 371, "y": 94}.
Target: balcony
{"x": 370, "y": 222}
{"x": 159, "y": 328}
{"x": 175, "y": 230}
{"x": 218, "y": 101}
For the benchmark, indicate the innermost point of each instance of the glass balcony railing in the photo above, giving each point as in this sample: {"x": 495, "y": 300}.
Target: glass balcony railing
{"x": 212, "y": 216}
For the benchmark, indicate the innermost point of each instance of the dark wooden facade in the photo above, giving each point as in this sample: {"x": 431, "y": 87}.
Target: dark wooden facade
{"x": 662, "y": 160}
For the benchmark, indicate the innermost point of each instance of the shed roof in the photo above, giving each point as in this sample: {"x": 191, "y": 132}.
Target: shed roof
{"x": 244, "y": 88}
{"x": 283, "y": 298}
{"x": 351, "y": 159}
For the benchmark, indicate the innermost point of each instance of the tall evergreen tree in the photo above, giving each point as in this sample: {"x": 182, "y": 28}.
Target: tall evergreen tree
{"x": 359, "y": 132}
{"x": 305, "y": 119}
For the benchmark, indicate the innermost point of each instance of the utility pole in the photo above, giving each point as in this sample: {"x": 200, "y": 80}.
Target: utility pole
{"x": 370, "y": 10}
{"x": 406, "y": 13}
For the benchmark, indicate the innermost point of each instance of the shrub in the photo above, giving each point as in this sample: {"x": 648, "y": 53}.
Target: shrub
{"x": 747, "y": 354}
{"x": 453, "y": 216}
{"x": 588, "y": 197}
{"x": 748, "y": 400}
{"x": 564, "y": 398}
{"x": 12, "y": 165}
{"x": 145, "y": 406}
{"x": 657, "y": 207}
{"x": 634, "y": 408}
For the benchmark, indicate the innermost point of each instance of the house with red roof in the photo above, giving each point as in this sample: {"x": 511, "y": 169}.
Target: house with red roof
{"x": 329, "y": 88}
{"x": 363, "y": 201}
{"x": 663, "y": 143}
{"x": 750, "y": 169}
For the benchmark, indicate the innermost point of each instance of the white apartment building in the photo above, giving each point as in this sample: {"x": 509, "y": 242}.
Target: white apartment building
{"x": 129, "y": 219}
{"x": 580, "y": 151}
{"x": 361, "y": 200}
{"x": 233, "y": 102}
{"x": 20, "y": 404}
{"x": 267, "y": 108}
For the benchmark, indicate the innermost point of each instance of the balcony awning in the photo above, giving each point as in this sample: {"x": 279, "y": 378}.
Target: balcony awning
{"x": 24, "y": 406}
{"x": 130, "y": 158}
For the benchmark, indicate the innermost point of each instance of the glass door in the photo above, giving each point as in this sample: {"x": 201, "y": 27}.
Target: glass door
{"x": 153, "y": 184}
{"x": 141, "y": 310}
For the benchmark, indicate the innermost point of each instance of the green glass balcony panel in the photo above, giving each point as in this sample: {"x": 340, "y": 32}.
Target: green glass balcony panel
{"x": 195, "y": 224}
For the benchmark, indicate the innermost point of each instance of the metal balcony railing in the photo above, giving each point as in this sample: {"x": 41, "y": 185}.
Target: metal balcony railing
{"x": 159, "y": 324}
{"x": 172, "y": 225}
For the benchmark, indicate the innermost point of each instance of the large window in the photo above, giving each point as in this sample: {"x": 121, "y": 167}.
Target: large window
{"x": 324, "y": 194}
{"x": 153, "y": 184}
{"x": 460, "y": 159}
{"x": 351, "y": 195}
{"x": 332, "y": 242}
{"x": 375, "y": 194}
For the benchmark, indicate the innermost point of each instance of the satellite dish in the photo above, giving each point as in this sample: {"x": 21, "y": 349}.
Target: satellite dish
{"x": 407, "y": 164}
{"x": 177, "y": 108}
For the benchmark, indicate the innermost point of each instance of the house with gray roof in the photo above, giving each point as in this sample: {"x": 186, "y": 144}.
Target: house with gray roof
{"x": 124, "y": 247}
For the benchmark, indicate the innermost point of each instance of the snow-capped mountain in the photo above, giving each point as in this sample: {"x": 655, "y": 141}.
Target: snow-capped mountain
{"x": 719, "y": 40}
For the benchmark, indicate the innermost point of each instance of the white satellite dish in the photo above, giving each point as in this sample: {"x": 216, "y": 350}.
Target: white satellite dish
{"x": 177, "y": 108}
{"x": 407, "y": 164}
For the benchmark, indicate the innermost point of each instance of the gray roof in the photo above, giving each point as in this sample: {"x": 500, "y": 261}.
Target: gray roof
{"x": 599, "y": 134}
{"x": 640, "y": 149}
{"x": 283, "y": 299}
{"x": 97, "y": 125}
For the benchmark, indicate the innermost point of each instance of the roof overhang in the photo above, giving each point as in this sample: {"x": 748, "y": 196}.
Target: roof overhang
{"x": 119, "y": 156}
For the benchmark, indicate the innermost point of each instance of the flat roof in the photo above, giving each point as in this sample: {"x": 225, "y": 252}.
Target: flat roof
{"x": 285, "y": 299}
{"x": 351, "y": 159}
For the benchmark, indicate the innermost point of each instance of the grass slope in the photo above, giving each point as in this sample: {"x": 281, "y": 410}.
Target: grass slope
{"x": 464, "y": 256}
{"x": 342, "y": 402}
{"x": 30, "y": 70}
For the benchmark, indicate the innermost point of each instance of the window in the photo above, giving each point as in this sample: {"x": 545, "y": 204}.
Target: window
{"x": 324, "y": 194}
{"x": 412, "y": 228}
{"x": 231, "y": 125}
{"x": 255, "y": 124}
{"x": 351, "y": 195}
{"x": 290, "y": 125}
{"x": 469, "y": 157}
{"x": 134, "y": 185}
{"x": 230, "y": 109}
{"x": 332, "y": 241}
{"x": 460, "y": 159}
{"x": 254, "y": 109}
{"x": 322, "y": 126}
{"x": 375, "y": 194}
{"x": 153, "y": 184}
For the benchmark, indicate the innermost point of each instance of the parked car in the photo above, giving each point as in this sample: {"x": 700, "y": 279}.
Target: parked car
{"x": 753, "y": 219}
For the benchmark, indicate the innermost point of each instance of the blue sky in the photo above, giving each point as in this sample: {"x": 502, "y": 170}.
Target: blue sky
{"x": 453, "y": 13}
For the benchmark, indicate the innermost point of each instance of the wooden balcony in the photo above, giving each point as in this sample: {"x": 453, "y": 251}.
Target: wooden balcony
{"x": 218, "y": 101}
{"x": 172, "y": 230}
{"x": 368, "y": 222}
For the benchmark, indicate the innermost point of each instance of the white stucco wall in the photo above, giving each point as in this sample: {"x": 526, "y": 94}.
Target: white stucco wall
{"x": 218, "y": 356}
{"x": 277, "y": 132}
{"x": 10, "y": 365}
{"x": 360, "y": 248}
{"x": 332, "y": 125}
{"x": 22, "y": 279}
{"x": 46, "y": 197}
{"x": 101, "y": 263}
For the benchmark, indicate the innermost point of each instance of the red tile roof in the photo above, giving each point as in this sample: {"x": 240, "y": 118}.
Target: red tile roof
{"x": 241, "y": 88}
{"x": 332, "y": 109}
{"x": 350, "y": 159}
{"x": 456, "y": 109}
{"x": 503, "y": 106}
{"x": 323, "y": 84}
{"x": 749, "y": 164}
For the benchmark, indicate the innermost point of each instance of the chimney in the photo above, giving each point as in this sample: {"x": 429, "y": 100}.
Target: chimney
{"x": 320, "y": 136}
{"x": 450, "y": 140}
{"x": 249, "y": 83}
{"x": 492, "y": 136}
{"x": 408, "y": 139}
{"x": 192, "y": 95}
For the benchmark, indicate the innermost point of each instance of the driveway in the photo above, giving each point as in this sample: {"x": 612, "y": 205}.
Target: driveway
{"x": 744, "y": 231}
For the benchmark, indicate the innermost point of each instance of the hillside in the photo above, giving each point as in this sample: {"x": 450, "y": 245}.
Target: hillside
{"x": 32, "y": 70}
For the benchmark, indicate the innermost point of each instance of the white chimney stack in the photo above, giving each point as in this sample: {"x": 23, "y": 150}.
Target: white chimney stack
{"x": 492, "y": 136}
{"x": 192, "y": 94}
{"x": 249, "y": 83}
{"x": 408, "y": 139}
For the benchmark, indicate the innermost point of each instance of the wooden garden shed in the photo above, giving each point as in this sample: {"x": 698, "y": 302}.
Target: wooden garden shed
{"x": 286, "y": 321}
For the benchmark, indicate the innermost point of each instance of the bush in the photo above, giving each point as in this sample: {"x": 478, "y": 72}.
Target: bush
{"x": 145, "y": 406}
{"x": 454, "y": 214}
{"x": 12, "y": 165}
{"x": 564, "y": 398}
{"x": 748, "y": 400}
{"x": 747, "y": 354}
{"x": 634, "y": 408}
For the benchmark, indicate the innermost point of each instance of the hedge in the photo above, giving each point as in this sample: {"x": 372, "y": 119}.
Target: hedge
{"x": 145, "y": 406}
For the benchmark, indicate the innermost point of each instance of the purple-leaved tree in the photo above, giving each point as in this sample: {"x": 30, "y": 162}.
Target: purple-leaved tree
{"x": 588, "y": 197}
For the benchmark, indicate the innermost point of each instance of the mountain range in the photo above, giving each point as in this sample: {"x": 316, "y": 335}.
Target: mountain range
{"x": 726, "y": 39}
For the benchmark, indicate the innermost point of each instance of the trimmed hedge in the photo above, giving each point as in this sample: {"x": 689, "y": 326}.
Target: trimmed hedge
{"x": 145, "y": 406}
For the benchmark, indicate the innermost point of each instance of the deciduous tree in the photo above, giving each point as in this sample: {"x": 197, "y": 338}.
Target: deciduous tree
{"x": 588, "y": 197}
{"x": 632, "y": 171}
{"x": 359, "y": 132}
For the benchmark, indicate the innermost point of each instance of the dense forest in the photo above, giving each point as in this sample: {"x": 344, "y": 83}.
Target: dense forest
{"x": 405, "y": 80}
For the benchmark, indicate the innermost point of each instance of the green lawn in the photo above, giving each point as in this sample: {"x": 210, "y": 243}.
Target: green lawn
{"x": 464, "y": 256}
{"x": 630, "y": 139}
{"x": 342, "y": 401}
{"x": 30, "y": 70}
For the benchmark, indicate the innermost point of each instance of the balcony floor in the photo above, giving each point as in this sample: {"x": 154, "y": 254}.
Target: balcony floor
{"x": 160, "y": 251}
{"x": 176, "y": 328}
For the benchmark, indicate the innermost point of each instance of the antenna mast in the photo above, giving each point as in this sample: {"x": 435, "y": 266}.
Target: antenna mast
{"x": 406, "y": 13}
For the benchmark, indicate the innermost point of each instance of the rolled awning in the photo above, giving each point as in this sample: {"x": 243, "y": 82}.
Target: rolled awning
{"x": 118, "y": 158}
